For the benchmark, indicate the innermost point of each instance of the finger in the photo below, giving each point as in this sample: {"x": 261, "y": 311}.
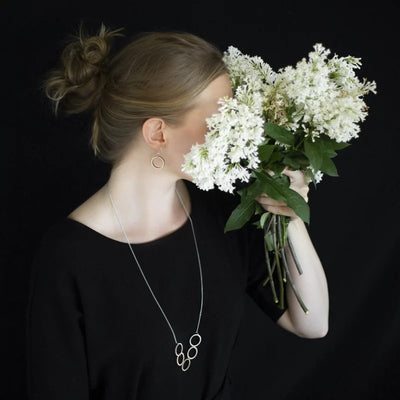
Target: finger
{"x": 291, "y": 173}
{"x": 265, "y": 196}
{"x": 272, "y": 173}
{"x": 287, "y": 211}
{"x": 270, "y": 201}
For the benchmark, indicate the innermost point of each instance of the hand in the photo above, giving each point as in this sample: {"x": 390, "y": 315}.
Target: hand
{"x": 297, "y": 183}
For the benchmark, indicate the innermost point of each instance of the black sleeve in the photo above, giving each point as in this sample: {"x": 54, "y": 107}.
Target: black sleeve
{"x": 257, "y": 273}
{"x": 56, "y": 359}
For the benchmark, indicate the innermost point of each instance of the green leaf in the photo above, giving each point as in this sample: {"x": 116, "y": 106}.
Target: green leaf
{"x": 297, "y": 203}
{"x": 340, "y": 145}
{"x": 240, "y": 215}
{"x": 253, "y": 191}
{"x": 277, "y": 167}
{"x": 328, "y": 167}
{"x": 279, "y": 191}
{"x": 263, "y": 218}
{"x": 276, "y": 156}
{"x": 269, "y": 241}
{"x": 278, "y": 133}
{"x": 266, "y": 141}
{"x": 265, "y": 152}
{"x": 333, "y": 144}
{"x": 257, "y": 224}
{"x": 329, "y": 152}
{"x": 259, "y": 208}
{"x": 282, "y": 179}
{"x": 292, "y": 163}
{"x": 314, "y": 153}
{"x": 296, "y": 160}
{"x": 326, "y": 146}
{"x": 241, "y": 191}
{"x": 270, "y": 186}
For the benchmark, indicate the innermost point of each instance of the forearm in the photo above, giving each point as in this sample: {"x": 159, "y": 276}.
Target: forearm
{"x": 311, "y": 284}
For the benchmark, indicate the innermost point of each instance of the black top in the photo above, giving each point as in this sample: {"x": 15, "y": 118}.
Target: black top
{"x": 94, "y": 331}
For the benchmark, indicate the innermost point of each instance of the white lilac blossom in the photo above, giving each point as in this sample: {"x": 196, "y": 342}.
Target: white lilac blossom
{"x": 316, "y": 174}
{"x": 244, "y": 69}
{"x": 325, "y": 95}
{"x": 230, "y": 150}
{"x": 319, "y": 97}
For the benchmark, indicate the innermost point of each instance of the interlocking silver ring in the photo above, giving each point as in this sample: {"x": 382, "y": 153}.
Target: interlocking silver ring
{"x": 192, "y": 348}
{"x": 193, "y": 336}
{"x": 180, "y": 356}
{"x": 188, "y": 364}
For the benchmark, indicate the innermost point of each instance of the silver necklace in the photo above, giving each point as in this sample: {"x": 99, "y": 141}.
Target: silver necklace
{"x": 180, "y": 355}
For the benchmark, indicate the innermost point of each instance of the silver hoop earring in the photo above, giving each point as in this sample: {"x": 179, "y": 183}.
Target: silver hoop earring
{"x": 156, "y": 164}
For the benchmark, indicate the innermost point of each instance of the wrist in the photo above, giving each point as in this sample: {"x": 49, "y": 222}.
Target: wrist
{"x": 295, "y": 220}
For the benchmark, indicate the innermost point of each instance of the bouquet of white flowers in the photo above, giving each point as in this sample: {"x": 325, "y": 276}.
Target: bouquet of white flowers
{"x": 296, "y": 117}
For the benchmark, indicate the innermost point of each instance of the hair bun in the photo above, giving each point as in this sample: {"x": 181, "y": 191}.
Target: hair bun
{"x": 77, "y": 83}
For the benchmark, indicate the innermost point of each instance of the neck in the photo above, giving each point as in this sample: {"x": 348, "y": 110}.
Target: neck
{"x": 145, "y": 198}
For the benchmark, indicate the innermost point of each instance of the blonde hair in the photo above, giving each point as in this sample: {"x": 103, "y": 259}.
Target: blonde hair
{"x": 157, "y": 74}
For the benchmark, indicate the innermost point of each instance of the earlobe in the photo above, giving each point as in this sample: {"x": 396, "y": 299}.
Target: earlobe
{"x": 153, "y": 130}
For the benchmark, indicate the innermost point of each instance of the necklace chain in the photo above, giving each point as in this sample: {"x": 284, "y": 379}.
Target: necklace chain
{"x": 180, "y": 356}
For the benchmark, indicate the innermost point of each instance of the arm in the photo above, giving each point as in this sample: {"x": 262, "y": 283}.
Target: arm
{"x": 311, "y": 285}
{"x": 56, "y": 360}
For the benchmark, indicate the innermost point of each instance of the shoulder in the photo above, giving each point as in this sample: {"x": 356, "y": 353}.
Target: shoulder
{"x": 54, "y": 280}
{"x": 60, "y": 235}
{"x": 90, "y": 210}
{"x": 58, "y": 248}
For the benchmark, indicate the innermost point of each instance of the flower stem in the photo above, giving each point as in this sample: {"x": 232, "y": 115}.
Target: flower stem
{"x": 286, "y": 267}
{"x": 280, "y": 241}
{"x": 269, "y": 269}
{"x": 298, "y": 144}
{"x": 299, "y": 299}
{"x": 276, "y": 226}
{"x": 278, "y": 264}
{"x": 296, "y": 260}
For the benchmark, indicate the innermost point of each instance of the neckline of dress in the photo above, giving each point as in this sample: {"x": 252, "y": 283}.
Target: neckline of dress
{"x": 162, "y": 239}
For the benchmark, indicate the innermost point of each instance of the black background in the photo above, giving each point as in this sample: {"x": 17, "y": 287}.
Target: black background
{"x": 49, "y": 169}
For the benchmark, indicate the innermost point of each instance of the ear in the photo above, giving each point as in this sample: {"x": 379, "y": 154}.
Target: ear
{"x": 153, "y": 130}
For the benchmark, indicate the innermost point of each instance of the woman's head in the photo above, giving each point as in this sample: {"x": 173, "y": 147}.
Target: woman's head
{"x": 157, "y": 74}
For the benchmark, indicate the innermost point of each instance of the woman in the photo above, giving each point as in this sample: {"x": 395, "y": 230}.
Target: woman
{"x": 138, "y": 293}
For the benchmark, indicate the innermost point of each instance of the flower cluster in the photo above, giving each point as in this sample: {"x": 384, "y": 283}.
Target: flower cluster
{"x": 319, "y": 103}
{"x": 324, "y": 96}
{"x": 233, "y": 136}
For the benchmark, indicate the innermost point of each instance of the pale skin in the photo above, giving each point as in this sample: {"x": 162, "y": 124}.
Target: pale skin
{"x": 149, "y": 207}
{"x": 311, "y": 284}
